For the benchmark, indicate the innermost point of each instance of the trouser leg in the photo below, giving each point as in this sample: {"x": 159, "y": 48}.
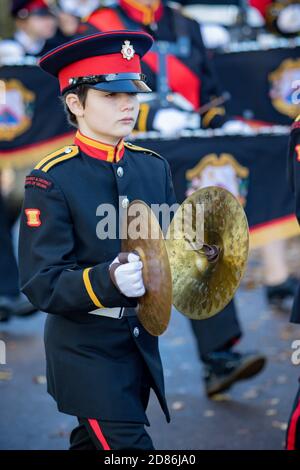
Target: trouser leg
{"x": 9, "y": 284}
{"x": 216, "y": 332}
{"x": 293, "y": 431}
{"x": 93, "y": 434}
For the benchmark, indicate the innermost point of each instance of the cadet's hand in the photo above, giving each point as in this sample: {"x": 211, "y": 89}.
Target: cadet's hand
{"x": 289, "y": 19}
{"x": 126, "y": 273}
{"x": 171, "y": 120}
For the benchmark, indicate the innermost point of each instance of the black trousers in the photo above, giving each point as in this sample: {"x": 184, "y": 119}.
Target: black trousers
{"x": 93, "y": 434}
{"x": 293, "y": 431}
{"x": 9, "y": 276}
{"x": 216, "y": 332}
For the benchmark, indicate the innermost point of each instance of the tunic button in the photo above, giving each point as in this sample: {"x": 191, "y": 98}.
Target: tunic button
{"x": 120, "y": 171}
{"x": 125, "y": 203}
{"x": 68, "y": 150}
{"x": 136, "y": 332}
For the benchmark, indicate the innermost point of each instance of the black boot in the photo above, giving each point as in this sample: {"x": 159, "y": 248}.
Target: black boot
{"x": 223, "y": 368}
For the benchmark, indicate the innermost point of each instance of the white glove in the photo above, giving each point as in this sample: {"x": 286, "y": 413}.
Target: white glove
{"x": 214, "y": 35}
{"x": 127, "y": 275}
{"x": 236, "y": 127}
{"x": 289, "y": 19}
{"x": 171, "y": 120}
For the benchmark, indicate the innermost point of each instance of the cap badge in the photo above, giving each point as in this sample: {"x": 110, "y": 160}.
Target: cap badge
{"x": 127, "y": 50}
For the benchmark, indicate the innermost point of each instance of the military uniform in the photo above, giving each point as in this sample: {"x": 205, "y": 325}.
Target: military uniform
{"x": 178, "y": 63}
{"x": 293, "y": 432}
{"x": 101, "y": 362}
{"x": 294, "y": 181}
{"x": 64, "y": 271}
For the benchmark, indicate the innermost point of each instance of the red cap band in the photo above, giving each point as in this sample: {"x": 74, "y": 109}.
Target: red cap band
{"x": 101, "y": 65}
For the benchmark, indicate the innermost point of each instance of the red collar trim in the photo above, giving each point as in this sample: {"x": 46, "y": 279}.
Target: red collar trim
{"x": 141, "y": 13}
{"x": 96, "y": 149}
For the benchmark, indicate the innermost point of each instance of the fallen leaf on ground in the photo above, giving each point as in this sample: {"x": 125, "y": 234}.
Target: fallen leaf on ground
{"x": 250, "y": 394}
{"x": 221, "y": 397}
{"x": 5, "y": 374}
{"x": 280, "y": 425}
{"x": 39, "y": 379}
{"x": 177, "y": 405}
{"x": 271, "y": 412}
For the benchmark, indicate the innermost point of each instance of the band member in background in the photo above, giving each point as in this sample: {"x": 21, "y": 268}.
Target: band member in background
{"x": 101, "y": 362}
{"x": 281, "y": 16}
{"x": 293, "y": 432}
{"x": 179, "y": 70}
{"x": 35, "y": 26}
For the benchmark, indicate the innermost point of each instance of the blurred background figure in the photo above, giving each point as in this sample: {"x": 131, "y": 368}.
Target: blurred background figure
{"x": 35, "y": 26}
{"x": 281, "y": 16}
{"x": 178, "y": 69}
{"x": 280, "y": 287}
{"x": 12, "y": 302}
{"x": 68, "y": 14}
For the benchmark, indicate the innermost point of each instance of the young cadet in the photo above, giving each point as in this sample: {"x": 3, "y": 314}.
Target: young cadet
{"x": 100, "y": 366}
{"x": 179, "y": 64}
{"x": 293, "y": 432}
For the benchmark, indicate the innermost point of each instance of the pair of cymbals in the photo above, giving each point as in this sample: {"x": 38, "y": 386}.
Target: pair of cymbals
{"x": 199, "y": 266}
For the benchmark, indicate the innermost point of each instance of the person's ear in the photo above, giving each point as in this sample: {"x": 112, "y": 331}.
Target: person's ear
{"x": 74, "y": 105}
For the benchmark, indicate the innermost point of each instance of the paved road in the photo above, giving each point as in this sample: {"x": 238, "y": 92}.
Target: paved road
{"x": 252, "y": 416}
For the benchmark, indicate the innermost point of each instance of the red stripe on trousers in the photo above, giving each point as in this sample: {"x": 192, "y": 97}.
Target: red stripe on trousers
{"x": 291, "y": 440}
{"x": 97, "y": 430}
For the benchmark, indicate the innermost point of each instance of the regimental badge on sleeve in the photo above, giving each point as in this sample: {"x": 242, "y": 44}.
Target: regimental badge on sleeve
{"x": 33, "y": 217}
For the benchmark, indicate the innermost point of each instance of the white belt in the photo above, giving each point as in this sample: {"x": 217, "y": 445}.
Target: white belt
{"x": 116, "y": 312}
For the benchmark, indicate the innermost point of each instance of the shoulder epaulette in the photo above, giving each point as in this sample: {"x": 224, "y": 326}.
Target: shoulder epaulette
{"x": 136, "y": 148}
{"x": 65, "y": 153}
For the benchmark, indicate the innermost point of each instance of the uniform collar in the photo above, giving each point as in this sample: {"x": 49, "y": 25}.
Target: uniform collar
{"x": 94, "y": 148}
{"x": 142, "y": 14}
{"x": 31, "y": 46}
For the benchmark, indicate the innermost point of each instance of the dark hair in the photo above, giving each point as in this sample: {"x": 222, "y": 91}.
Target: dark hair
{"x": 81, "y": 91}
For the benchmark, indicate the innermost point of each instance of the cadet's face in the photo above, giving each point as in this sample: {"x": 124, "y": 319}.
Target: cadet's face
{"x": 108, "y": 117}
{"x": 41, "y": 27}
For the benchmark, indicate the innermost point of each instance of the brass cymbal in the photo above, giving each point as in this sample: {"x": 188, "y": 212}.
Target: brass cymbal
{"x": 155, "y": 306}
{"x": 206, "y": 276}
